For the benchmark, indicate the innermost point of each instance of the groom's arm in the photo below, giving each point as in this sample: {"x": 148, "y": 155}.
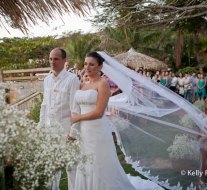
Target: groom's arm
{"x": 75, "y": 85}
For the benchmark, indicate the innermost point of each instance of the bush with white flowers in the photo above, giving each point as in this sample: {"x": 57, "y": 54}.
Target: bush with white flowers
{"x": 200, "y": 105}
{"x": 184, "y": 147}
{"x": 120, "y": 123}
{"x": 36, "y": 152}
{"x": 186, "y": 121}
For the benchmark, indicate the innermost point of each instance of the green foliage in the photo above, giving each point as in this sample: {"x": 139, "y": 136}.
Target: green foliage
{"x": 16, "y": 52}
{"x": 189, "y": 70}
{"x": 79, "y": 46}
{"x": 118, "y": 40}
{"x": 35, "y": 111}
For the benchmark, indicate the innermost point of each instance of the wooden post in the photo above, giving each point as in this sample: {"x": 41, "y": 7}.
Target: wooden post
{"x": 1, "y": 76}
{"x": 13, "y": 96}
{"x": 31, "y": 74}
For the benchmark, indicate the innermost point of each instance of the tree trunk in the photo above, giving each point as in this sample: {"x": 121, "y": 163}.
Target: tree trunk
{"x": 178, "y": 48}
{"x": 197, "y": 53}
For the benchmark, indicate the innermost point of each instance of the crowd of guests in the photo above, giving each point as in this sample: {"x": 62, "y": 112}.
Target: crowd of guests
{"x": 190, "y": 86}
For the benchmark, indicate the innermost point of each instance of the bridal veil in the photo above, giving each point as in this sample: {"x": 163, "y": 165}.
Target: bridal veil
{"x": 161, "y": 134}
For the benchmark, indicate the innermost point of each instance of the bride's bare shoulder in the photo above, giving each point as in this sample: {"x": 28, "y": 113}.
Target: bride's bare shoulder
{"x": 103, "y": 84}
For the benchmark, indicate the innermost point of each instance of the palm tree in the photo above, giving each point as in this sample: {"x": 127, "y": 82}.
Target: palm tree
{"x": 178, "y": 48}
{"x": 79, "y": 46}
{"x": 117, "y": 40}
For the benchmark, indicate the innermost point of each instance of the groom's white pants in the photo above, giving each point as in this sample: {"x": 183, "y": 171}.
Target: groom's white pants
{"x": 70, "y": 173}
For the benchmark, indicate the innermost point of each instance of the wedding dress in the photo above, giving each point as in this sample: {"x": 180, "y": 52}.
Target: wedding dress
{"x": 105, "y": 173}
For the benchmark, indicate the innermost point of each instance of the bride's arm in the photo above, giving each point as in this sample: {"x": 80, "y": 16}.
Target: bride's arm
{"x": 102, "y": 101}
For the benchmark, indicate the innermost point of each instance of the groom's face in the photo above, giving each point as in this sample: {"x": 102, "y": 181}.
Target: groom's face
{"x": 56, "y": 61}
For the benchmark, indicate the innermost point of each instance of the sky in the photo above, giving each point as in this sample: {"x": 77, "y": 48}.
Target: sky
{"x": 56, "y": 27}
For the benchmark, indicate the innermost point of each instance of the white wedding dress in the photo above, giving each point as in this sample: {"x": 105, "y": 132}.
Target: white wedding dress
{"x": 105, "y": 173}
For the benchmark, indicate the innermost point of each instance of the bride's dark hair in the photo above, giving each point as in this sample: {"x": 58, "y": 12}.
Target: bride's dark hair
{"x": 95, "y": 55}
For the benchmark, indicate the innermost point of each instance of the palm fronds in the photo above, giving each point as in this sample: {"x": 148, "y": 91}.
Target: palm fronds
{"x": 23, "y": 13}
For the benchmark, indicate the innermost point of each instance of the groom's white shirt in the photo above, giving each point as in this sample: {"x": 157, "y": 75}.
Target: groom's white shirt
{"x": 59, "y": 94}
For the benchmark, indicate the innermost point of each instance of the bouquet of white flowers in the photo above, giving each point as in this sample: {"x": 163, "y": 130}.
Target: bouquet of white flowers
{"x": 200, "y": 105}
{"x": 184, "y": 147}
{"x": 186, "y": 121}
{"x": 36, "y": 152}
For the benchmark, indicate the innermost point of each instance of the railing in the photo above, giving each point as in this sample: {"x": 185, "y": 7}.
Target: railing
{"x": 28, "y": 102}
{"x": 38, "y": 71}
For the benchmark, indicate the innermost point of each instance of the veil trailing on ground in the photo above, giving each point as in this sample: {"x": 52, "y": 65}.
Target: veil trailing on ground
{"x": 161, "y": 134}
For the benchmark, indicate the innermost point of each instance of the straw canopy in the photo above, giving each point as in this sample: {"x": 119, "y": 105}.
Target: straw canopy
{"x": 23, "y": 13}
{"x": 135, "y": 60}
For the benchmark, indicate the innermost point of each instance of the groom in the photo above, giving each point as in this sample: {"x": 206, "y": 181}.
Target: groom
{"x": 59, "y": 91}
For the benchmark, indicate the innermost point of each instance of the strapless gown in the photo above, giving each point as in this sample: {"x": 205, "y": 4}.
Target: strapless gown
{"x": 106, "y": 172}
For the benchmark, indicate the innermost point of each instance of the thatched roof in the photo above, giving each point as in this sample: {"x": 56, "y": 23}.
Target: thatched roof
{"x": 22, "y": 13}
{"x": 135, "y": 60}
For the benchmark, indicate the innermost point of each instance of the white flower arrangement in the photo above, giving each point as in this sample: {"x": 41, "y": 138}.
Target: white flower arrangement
{"x": 36, "y": 152}
{"x": 200, "y": 105}
{"x": 120, "y": 123}
{"x": 184, "y": 147}
{"x": 186, "y": 121}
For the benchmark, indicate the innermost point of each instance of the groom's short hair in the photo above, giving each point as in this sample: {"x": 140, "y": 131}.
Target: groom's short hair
{"x": 63, "y": 52}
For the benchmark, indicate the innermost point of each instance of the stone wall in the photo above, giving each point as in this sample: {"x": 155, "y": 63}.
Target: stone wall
{"x": 20, "y": 90}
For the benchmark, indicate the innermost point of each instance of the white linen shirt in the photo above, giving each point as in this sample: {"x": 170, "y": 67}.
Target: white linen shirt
{"x": 174, "y": 81}
{"x": 59, "y": 98}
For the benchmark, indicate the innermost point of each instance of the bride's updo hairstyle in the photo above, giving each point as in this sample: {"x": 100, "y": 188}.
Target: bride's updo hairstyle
{"x": 96, "y": 56}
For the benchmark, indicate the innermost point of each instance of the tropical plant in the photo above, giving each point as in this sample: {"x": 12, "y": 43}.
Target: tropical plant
{"x": 184, "y": 17}
{"x": 21, "y": 14}
{"x": 188, "y": 70}
{"x": 78, "y": 47}
{"x": 118, "y": 40}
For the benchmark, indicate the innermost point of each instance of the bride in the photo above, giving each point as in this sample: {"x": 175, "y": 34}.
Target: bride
{"x": 105, "y": 173}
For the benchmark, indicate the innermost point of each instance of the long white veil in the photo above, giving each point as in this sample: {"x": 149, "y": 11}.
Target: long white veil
{"x": 161, "y": 134}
